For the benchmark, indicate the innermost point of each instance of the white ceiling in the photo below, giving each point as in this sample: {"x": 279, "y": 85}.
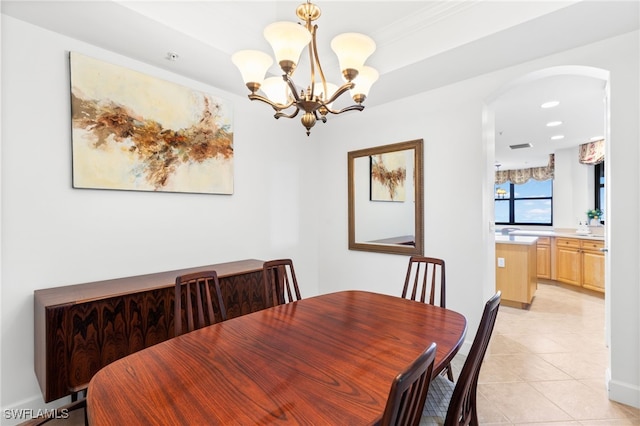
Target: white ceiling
{"x": 421, "y": 45}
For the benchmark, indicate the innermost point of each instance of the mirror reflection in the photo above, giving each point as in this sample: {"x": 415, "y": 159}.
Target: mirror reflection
{"x": 386, "y": 198}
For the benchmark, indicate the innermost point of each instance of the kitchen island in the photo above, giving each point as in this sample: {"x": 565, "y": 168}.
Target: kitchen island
{"x": 569, "y": 257}
{"x": 516, "y": 269}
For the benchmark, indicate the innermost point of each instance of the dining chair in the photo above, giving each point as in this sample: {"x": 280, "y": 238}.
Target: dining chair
{"x": 425, "y": 278}
{"x": 425, "y": 282}
{"x": 61, "y": 415}
{"x": 452, "y": 404}
{"x": 409, "y": 391}
{"x": 281, "y": 285}
{"x": 198, "y": 285}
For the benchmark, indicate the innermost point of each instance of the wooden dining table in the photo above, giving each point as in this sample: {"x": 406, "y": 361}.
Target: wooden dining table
{"x": 328, "y": 359}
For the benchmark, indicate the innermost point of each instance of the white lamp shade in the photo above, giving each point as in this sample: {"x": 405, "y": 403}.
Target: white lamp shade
{"x": 253, "y": 65}
{"x": 352, "y": 50}
{"x": 287, "y": 39}
{"x": 276, "y": 90}
{"x": 364, "y": 81}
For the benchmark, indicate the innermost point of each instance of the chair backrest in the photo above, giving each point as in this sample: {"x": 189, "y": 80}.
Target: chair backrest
{"x": 409, "y": 391}
{"x": 463, "y": 401}
{"x": 281, "y": 285}
{"x": 197, "y": 285}
{"x": 425, "y": 278}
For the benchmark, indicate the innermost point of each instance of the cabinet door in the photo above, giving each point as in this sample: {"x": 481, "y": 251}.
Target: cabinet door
{"x": 568, "y": 264}
{"x": 544, "y": 261}
{"x": 593, "y": 270}
{"x": 593, "y": 265}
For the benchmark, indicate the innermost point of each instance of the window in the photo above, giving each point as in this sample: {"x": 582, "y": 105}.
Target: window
{"x": 530, "y": 203}
{"x": 599, "y": 188}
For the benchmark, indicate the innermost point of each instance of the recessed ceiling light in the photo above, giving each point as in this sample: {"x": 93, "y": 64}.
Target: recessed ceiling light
{"x": 557, "y": 137}
{"x": 554, "y": 123}
{"x": 550, "y": 104}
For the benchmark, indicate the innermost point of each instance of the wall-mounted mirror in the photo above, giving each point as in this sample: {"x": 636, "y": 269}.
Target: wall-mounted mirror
{"x": 386, "y": 199}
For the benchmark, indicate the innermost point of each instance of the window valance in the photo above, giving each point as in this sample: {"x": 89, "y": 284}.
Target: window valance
{"x": 591, "y": 153}
{"x": 520, "y": 176}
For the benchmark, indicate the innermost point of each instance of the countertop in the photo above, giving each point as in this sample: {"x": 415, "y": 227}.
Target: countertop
{"x": 566, "y": 234}
{"x": 516, "y": 239}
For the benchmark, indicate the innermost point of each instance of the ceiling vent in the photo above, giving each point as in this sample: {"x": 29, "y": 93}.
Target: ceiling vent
{"x": 520, "y": 146}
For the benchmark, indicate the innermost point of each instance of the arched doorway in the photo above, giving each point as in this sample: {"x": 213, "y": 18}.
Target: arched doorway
{"x": 566, "y": 212}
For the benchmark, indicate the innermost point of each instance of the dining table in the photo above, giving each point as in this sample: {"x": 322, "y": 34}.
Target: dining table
{"x": 323, "y": 360}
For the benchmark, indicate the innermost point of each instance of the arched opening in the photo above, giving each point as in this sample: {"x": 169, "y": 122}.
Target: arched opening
{"x": 569, "y": 211}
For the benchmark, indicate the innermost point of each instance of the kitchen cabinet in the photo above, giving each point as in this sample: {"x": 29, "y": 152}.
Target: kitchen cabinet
{"x": 544, "y": 257}
{"x": 593, "y": 265}
{"x": 580, "y": 262}
{"x": 568, "y": 264}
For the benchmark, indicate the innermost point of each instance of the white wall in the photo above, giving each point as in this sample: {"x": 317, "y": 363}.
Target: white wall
{"x": 290, "y": 197}
{"x": 53, "y": 235}
{"x": 459, "y": 195}
{"x": 453, "y": 196}
{"x": 572, "y": 189}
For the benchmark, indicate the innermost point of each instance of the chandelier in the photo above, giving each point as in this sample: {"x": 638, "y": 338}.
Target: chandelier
{"x": 287, "y": 40}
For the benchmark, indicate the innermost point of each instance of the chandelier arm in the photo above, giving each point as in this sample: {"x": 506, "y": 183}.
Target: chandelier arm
{"x": 282, "y": 114}
{"x": 347, "y": 86}
{"x": 276, "y": 106}
{"x": 322, "y": 117}
{"x": 292, "y": 88}
{"x": 355, "y": 107}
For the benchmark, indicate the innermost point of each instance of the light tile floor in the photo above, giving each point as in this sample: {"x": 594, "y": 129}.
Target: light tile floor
{"x": 546, "y": 365}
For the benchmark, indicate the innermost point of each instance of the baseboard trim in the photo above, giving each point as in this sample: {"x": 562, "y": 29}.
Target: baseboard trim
{"x": 624, "y": 393}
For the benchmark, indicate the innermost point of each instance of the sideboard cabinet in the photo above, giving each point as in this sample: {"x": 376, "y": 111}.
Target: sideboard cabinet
{"x": 81, "y": 328}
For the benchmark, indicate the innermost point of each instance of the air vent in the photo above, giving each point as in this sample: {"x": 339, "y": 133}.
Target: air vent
{"x": 520, "y": 146}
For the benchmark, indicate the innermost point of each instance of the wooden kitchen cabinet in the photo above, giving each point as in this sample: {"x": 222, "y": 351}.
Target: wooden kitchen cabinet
{"x": 544, "y": 257}
{"x": 568, "y": 263}
{"x": 593, "y": 265}
{"x": 580, "y": 262}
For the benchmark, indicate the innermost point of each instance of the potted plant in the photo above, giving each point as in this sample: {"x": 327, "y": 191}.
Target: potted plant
{"x": 594, "y": 216}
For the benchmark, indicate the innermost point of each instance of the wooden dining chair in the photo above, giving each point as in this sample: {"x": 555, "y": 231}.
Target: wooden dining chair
{"x": 281, "y": 285}
{"x": 452, "y": 404}
{"x": 425, "y": 281}
{"x": 198, "y": 285}
{"x": 409, "y": 391}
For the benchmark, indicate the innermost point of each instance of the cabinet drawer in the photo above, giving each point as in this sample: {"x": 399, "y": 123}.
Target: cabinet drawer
{"x": 568, "y": 242}
{"x": 592, "y": 245}
{"x": 544, "y": 241}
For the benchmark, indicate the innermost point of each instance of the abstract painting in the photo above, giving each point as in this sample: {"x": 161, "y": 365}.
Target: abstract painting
{"x": 132, "y": 131}
{"x": 388, "y": 176}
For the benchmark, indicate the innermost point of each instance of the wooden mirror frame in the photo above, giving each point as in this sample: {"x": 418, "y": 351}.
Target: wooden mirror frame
{"x": 418, "y": 248}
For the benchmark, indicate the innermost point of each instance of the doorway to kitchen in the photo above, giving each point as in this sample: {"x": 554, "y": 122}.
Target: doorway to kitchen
{"x": 525, "y": 132}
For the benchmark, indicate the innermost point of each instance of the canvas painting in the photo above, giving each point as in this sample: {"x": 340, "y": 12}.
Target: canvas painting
{"x": 388, "y": 176}
{"x": 132, "y": 131}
